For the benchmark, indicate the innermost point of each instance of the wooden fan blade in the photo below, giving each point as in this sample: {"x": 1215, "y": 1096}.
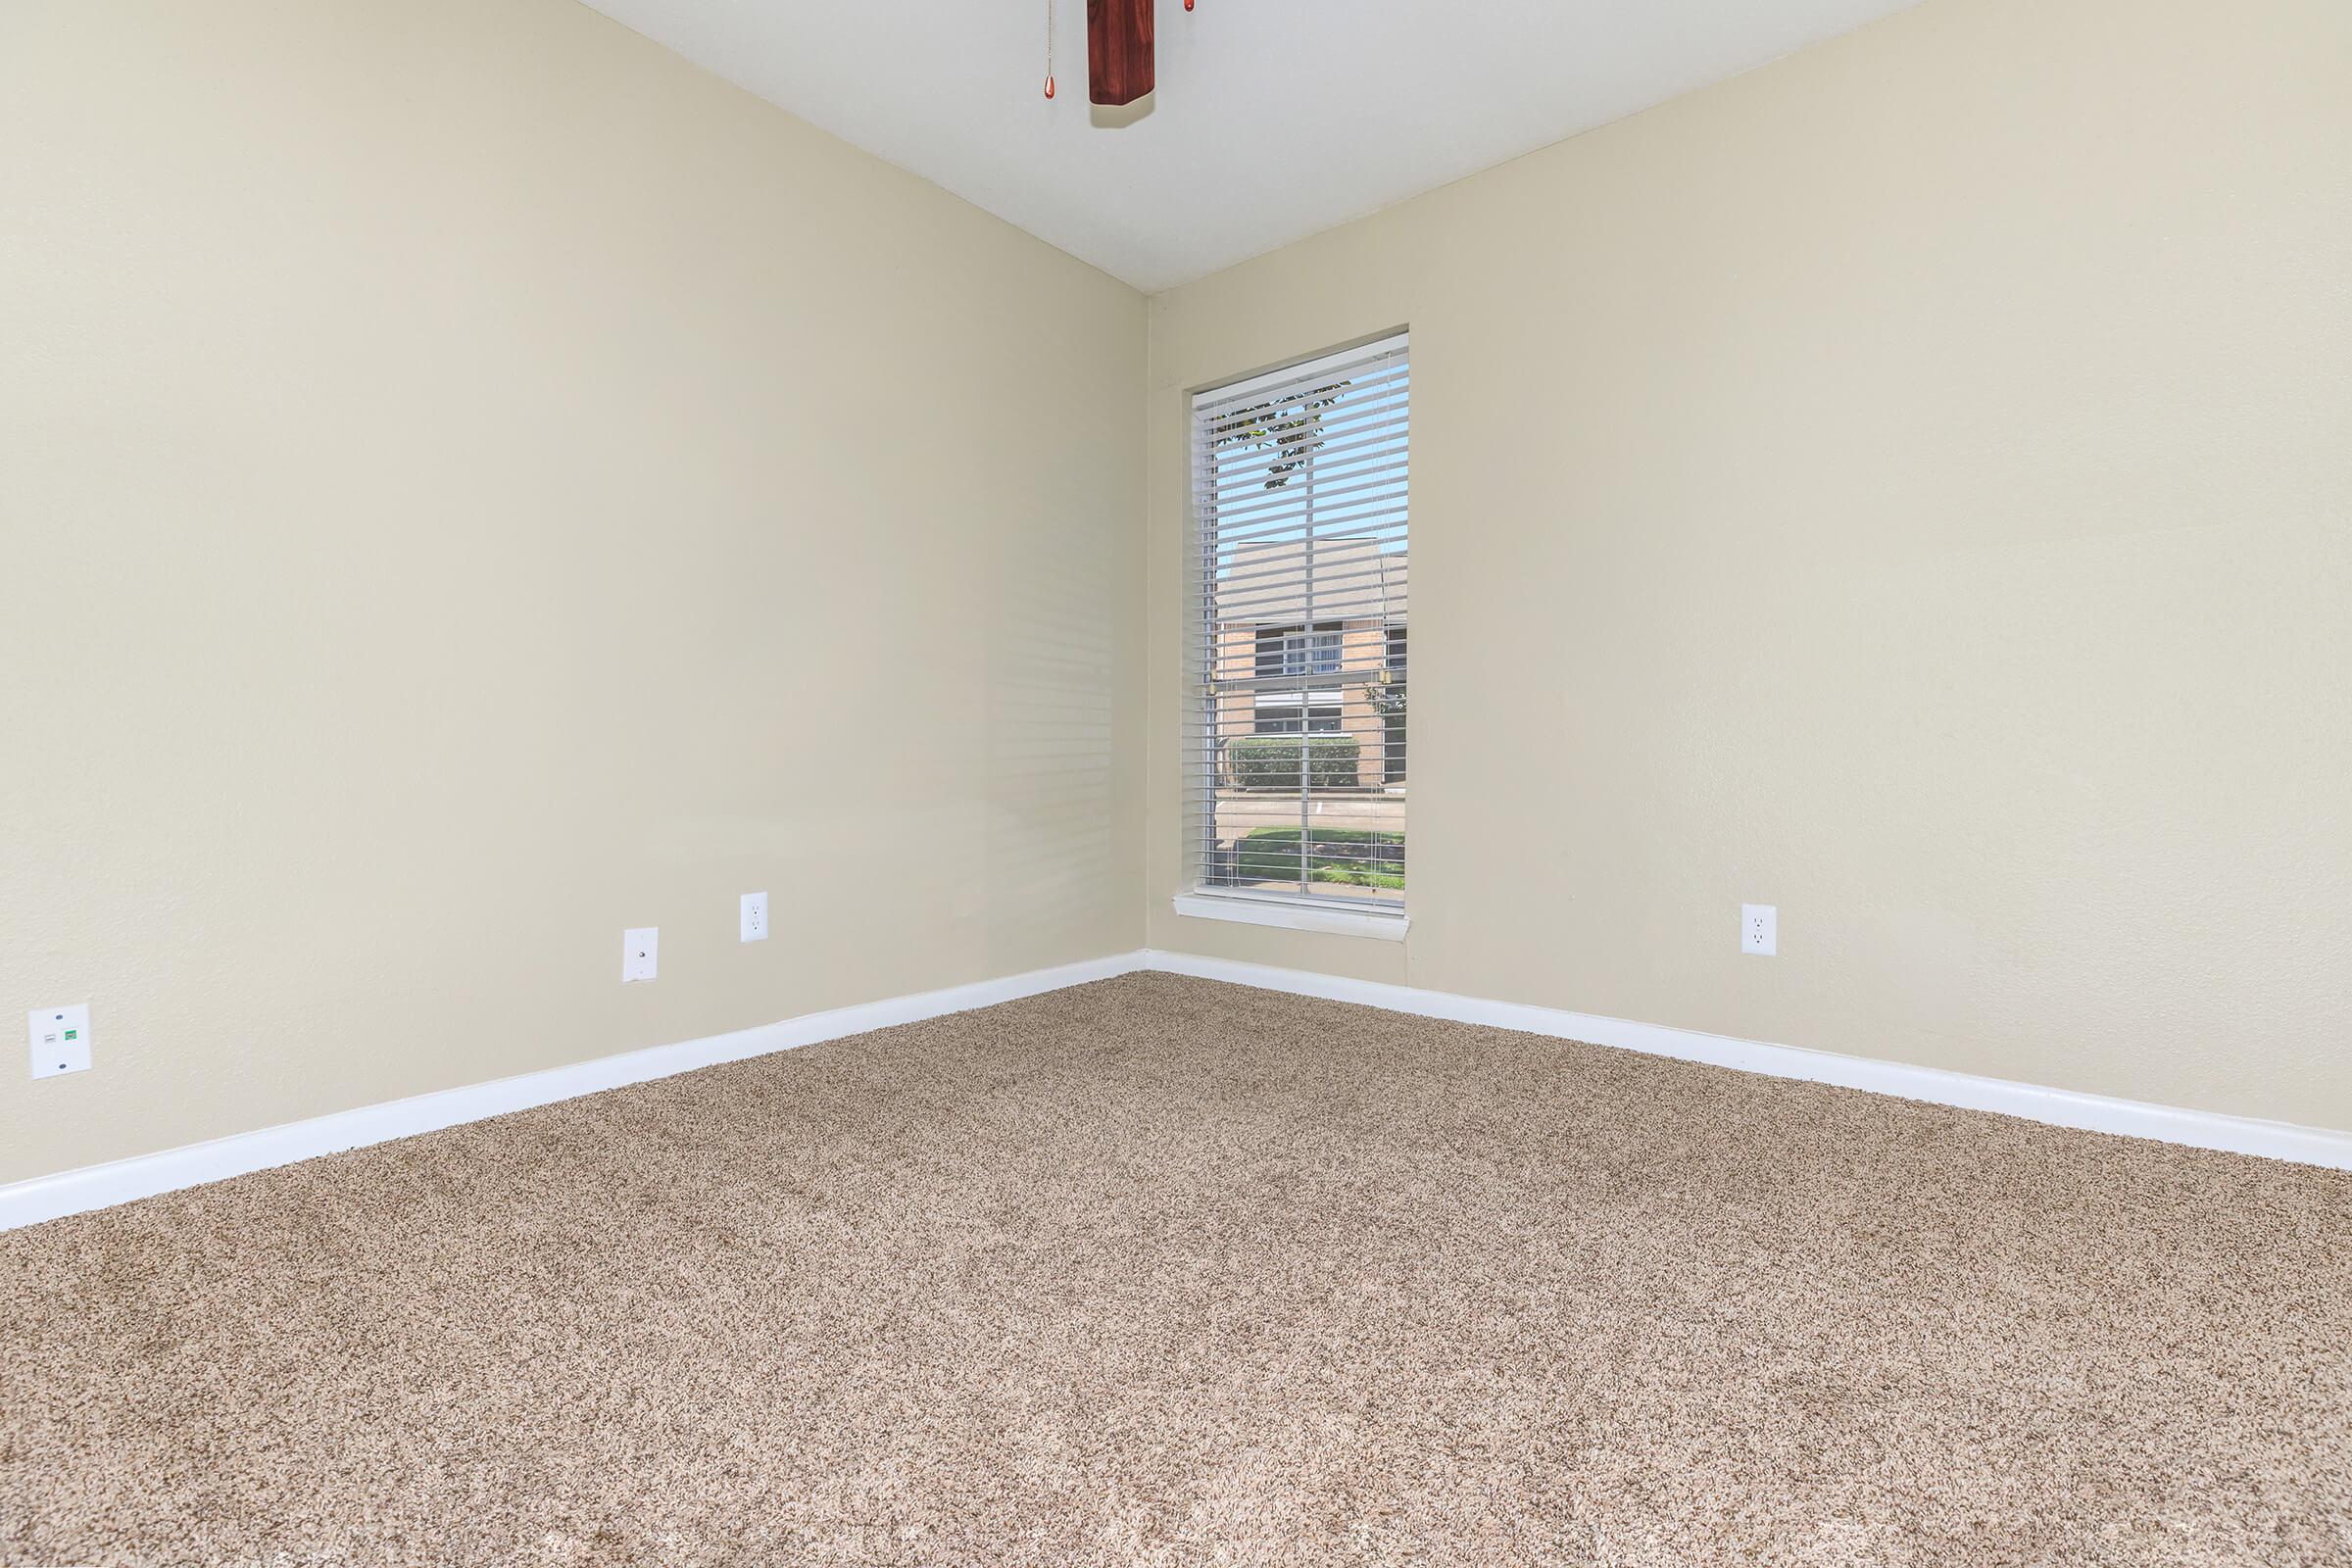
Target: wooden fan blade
{"x": 1118, "y": 49}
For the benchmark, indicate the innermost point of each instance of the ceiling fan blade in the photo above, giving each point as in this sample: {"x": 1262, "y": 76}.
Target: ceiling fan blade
{"x": 1118, "y": 49}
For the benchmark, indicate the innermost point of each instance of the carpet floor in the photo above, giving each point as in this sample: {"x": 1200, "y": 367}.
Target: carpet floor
{"x": 1159, "y": 1271}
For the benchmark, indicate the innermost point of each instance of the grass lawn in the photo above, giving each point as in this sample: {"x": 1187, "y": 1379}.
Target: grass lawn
{"x": 1363, "y": 858}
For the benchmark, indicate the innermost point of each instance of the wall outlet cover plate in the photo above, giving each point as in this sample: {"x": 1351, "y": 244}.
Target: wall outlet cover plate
{"x": 1759, "y": 929}
{"x": 59, "y": 1039}
{"x": 640, "y": 954}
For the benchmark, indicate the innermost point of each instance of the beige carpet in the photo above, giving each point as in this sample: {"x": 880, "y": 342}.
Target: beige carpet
{"x": 1160, "y": 1271}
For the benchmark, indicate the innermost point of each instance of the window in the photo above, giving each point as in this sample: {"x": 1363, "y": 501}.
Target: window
{"x": 1296, "y": 780}
{"x": 1298, "y": 651}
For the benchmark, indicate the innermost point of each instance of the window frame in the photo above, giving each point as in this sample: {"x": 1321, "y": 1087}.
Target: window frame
{"x": 1313, "y": 648}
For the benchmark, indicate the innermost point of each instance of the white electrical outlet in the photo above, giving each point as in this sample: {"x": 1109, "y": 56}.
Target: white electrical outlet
{"x": 1759, "y": 929}
{"x": 59, "y": 1039}
{"x": 755, "y": 917}
{"x": 640, "y": 954}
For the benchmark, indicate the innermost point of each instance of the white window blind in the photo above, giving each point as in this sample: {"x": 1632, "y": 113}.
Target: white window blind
{"x": 1295, "y": 744}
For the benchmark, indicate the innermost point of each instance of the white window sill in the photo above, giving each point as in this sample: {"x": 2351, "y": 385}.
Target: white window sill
{"x": 1385, "y": 926}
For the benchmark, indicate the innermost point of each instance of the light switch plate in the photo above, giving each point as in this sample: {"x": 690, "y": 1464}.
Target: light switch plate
{"x": 1760, "y": 929}
{"x": 639, "y": 954}
{"x": 755, "y": 917}
{"x": 59, "y": 1039}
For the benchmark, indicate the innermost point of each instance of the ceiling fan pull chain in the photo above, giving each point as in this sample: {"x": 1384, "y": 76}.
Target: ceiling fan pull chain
{"x": 1050, "y": 44}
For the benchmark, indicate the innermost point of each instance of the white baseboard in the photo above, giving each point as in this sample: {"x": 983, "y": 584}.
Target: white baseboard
{"x": 2060, "y": 1107}
{"x": 73, "y": 1191}
{"x": 29, "y": 1202}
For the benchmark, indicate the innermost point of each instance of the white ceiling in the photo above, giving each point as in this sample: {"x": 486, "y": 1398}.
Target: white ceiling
{"x": 1273, "y": 118}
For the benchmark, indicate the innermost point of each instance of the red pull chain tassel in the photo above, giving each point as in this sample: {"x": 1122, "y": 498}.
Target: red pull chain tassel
{"x": 1049, "y": 86}
{"x": 1188, "y": 5}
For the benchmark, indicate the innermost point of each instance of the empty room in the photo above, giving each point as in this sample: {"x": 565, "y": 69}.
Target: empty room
{"x": 1168, "y": 782}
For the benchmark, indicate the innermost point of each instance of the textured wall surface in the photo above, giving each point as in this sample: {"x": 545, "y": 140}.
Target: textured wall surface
{"x": 1910, "y": 484}
{"x": 470, "y": 482}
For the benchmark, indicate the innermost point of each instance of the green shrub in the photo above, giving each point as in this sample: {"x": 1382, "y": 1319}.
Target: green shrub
{"x": 1393, "y": 881}
{"x": 1273, "y": 762}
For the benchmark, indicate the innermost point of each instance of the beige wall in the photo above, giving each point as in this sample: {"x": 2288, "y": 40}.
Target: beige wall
{"x": 1910, "y": 484}
{"x": 470, "y": 482}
